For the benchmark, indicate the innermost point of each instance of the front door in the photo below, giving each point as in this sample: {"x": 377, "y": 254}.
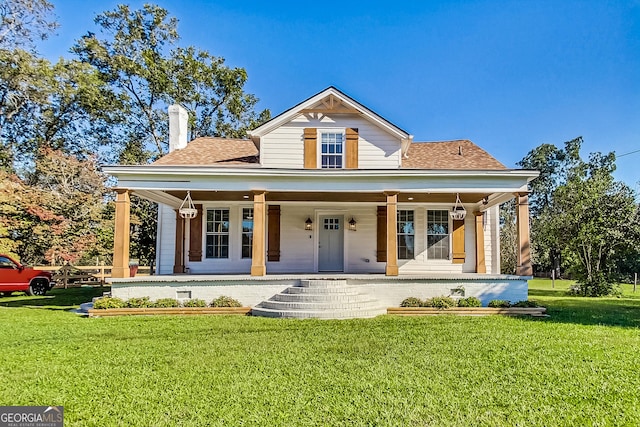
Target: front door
{"x": 331, "y": 246}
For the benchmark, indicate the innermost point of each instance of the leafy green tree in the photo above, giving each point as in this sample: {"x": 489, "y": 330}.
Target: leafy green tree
{"x": 594, "y": 219}
{"x": 136, "y": 55}
{"x": 582, "y": 215}
{"x": 508, "y": 238}
{"x": 59, "y": 216}
{"x": 23, "y": 22}
{"x": 145, "y": 75}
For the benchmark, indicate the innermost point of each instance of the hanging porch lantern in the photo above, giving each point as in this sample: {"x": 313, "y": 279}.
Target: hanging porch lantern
{"x": 458, "y": 212}
{"x": 187, "y": 210}
{"x": 352, "y": 224}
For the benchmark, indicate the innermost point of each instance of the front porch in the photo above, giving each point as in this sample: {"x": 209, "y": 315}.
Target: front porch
{"x": 387, "y": 291}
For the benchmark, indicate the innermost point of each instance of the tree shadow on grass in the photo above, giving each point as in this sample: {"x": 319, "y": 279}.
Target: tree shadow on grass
{"x": 56, "y": 299}
{"x": 623, "y": 312}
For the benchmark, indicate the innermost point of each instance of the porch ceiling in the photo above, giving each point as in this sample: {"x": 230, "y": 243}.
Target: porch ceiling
{"x": 207, "y": 196}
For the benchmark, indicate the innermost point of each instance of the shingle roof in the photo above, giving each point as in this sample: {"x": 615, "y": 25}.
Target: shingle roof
{"x": 459, "y": 154}
{"x": 208, "y": 151}
{"x": 214, "y": 151}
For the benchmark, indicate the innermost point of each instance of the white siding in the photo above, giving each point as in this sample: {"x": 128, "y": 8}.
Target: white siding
{"x": 298, "y": 247}
{"x": 165, "y": 243}
{"x": 284, "y": 147}
{"x": 234, "y": 263}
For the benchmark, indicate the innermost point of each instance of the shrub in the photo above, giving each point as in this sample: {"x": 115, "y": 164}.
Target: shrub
{"x": 526, "y": 304}
{"x": 442, "y": 302}
{"x": 223, "y": 301}
{"x": 469, "y": 302}
{"x": 108, "y": 302}
{"x": 499, "y": 303}
{"x": 166, "y": 303}
{"x": 194, "y": 303}
{"x": 139, "y": 302}
{"x": 412, "y": 302}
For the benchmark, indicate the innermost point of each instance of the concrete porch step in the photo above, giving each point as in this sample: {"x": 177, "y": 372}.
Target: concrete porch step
{"x": 323, "y": 283}
{"x": 318, "y": 314}
{"x": 314, "y": 297}
{"x": 315, "y": 306}
{"x": 345, "y": 290}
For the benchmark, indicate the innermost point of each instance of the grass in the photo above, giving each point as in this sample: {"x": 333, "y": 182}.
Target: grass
{"x": 579, "y": 367}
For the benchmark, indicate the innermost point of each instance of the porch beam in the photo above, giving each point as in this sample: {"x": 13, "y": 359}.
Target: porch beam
{"x": 258, "y": 265}
{"x": 392, "y": 234}
{"x": 481, "y": 266}
{"x": 524, "y": 267}
{"x": 121, "y": 234}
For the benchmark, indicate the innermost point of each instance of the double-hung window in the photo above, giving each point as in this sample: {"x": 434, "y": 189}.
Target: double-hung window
{"x": 247, "y": 232}
{"x": 406, "y": 235}
{"x": 331, "y": 150}
{"x": 437, "y": 234}
{"x": 217, "y": 233}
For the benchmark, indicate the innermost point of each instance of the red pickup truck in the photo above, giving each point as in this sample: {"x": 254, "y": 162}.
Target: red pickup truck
{"x": 15, "y": 277}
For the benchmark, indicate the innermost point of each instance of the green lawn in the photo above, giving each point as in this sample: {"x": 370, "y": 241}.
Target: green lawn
{"x": 580, "y": 367}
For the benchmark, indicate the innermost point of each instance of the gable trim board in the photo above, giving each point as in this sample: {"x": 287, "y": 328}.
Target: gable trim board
{"x": 297, "y": 110}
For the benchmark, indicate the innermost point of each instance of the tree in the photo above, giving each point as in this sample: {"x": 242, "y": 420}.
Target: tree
{"x": 58, "y": 217}
{"x": 136, "y": 55}
{"x": 508, "y": 238}
{"x": 22, "y": 22}
{"x": 145, "y": 76}
{"x": 583, "y": 215}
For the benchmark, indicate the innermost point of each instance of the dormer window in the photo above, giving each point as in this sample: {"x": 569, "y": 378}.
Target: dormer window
{"x": 331, "y": 150}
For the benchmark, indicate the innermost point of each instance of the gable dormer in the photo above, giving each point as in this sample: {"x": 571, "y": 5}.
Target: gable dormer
{"x": 330, "y": 130}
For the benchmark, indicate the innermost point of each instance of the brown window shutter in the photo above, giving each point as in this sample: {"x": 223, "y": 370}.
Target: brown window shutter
{"x": 458, "y": 242}
{"x": 381, "y": 241}
{"x": 195, "y": 236}
{"x": 352, "y": 148}
{"x": 273, "y": 239}
{"x": 310, "y": 148}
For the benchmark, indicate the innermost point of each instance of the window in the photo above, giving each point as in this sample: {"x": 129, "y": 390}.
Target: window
{"x": 406, "y": 235}
{"x": 247, "y": 232}
{"x": 217, "y": 233}
{"x": 6, "y": 263}
{"x": 438, "y": 234}
{"x": 332, "y": 223}
{"x": 331, "y": 145}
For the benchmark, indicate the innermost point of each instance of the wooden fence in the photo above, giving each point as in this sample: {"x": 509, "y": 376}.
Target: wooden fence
{"x": 66, "y": 275}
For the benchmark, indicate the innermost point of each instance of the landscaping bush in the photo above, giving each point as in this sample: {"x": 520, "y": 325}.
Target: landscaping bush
{"x": 194, "y": 303}
{"x": 108, "y": 302}
{"x": 469, "y": 302}
{"x": 442, "y": 302}
{"x": 223, "y": 301}
{"x": 412, "y": 302}
{"x": 526, "y": 304}
{"x": 141, "y": 302}
{"x": 166, "y": 303}
{"x": 499, "y": 303}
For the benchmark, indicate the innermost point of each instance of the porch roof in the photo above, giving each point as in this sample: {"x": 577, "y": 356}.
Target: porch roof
{"x": 169, "y": 184}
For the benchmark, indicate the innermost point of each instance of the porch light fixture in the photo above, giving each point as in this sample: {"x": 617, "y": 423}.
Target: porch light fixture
{"x": 352, "y": 224}
{"x": 308, "y": 224}
{"x": 458, "y": 212}
{"x": 187, "y": 210}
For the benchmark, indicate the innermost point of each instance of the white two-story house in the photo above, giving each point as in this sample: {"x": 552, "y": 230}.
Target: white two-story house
{"x": 327, "y": 188}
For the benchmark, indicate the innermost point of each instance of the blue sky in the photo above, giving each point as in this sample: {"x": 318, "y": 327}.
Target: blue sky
{"x": 508, "y": 75}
